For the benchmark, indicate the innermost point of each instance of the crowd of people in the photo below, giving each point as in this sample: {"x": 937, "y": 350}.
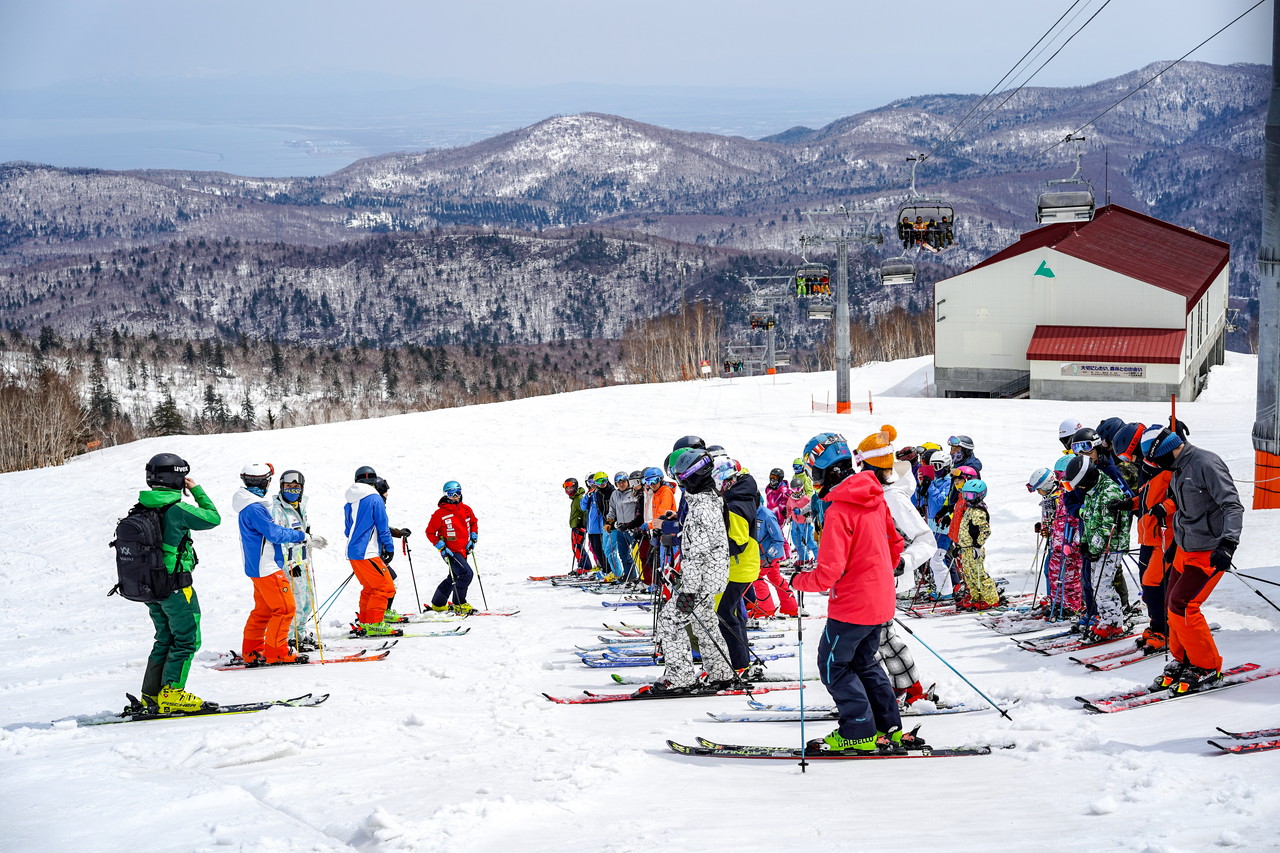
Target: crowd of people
{"x": 934, "y": 234}
{"x": 276, "y": 539}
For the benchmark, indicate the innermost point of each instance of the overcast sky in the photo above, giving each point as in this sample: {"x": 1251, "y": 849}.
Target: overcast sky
{"x": 889, "y": 47}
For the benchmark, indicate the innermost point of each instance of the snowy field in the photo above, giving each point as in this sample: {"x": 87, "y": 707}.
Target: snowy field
{"x": 448, "y": 745}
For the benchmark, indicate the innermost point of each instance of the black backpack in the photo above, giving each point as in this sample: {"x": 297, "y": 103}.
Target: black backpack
{"x": 140, "y": 568}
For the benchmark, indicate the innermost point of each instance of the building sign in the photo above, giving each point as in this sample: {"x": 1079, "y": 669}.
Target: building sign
{"x": 1106, "y": 371}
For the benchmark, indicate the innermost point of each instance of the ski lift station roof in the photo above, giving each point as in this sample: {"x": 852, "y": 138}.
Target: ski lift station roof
{"x": 1121, "y": 307}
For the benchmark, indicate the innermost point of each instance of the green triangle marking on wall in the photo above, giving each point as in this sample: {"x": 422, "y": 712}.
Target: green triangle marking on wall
{"x": 1043, "y": 270}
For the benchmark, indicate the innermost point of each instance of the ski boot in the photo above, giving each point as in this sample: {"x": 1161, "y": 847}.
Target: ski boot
{"x": 308, "y": 644}
{"x": 175, "y": 700}
{"x": 751, "y": 673}
{"x": 1172, "y": 675}
{"x": 1101, "y": 634}
{"x": 1195, "y": 678}
{"x": 437, "y": 608}
{"x": 373, "y": 629}
{"x": 392, "y": 616}
{"x": 463, "y": 608}
{"x": 836, "y": 742}
{"x": 664, "y": 687}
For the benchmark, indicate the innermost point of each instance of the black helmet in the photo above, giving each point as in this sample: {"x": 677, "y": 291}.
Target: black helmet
{"x": 167, "y": 471}
{"x": 778, "y": 475}
{"x": 692, "y": 469}
{"x": 292, "y": 476}
{"x": 1085, "y": 439}
{"x": 1081, "y": 473}
{"x": 381, "y": 485}
{"x": 636, "y": 477}
{"x": 571, "y": 484}
{"x": 689, "y": 441}
{"x": 364, "y": 472}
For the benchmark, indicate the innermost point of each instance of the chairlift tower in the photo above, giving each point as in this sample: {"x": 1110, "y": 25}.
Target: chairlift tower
{"x": 769, "y": 301}
{"x": 839, "y": 228}
{"x": 1266, "y": 428}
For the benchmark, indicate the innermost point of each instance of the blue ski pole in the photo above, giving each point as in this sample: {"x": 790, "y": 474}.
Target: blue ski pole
{"x": 1003, "y": 713}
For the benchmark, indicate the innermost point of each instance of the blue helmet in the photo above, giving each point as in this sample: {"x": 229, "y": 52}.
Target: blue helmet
{"x": 1126, "y": 443}
{"x": 651, "y": 476}
{"x": 823, "y": 451}
{"x": 974, "y": 490}
{"x": 1158, "y": 444}
{"x": 453, "y": 487}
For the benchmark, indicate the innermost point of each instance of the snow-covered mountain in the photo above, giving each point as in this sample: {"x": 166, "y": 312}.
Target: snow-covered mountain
{"x": 448, "y": 745}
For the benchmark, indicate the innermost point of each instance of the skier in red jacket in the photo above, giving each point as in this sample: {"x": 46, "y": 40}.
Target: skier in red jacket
{"x": 856, "y": 559}
{"x": 453, "y": 531}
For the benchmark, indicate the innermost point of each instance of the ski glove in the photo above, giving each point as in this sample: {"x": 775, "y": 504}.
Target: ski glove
{"x": 471, "y": 543}
{"x": 1169, "y": 554}
{"x": 1159, "y": 512}
{"x": 386, "y": 557}
{"x": 902, "y": 567}
{"x": 685, "y": 602}
{"x": 319, "y": 543}
{"x": 1120, "y": 505}
{"x": 1221, "y": 558}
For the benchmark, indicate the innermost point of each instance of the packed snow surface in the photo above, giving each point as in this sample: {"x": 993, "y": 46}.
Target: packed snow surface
{"x": 448, "y": 745}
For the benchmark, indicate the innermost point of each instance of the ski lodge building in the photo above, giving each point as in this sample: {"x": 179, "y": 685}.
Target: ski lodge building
{"x": 1121, "y": 307}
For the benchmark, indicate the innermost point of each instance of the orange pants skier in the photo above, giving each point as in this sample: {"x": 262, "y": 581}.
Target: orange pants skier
{"x": 377, "y": 588}
{"x": 266, "y": 632}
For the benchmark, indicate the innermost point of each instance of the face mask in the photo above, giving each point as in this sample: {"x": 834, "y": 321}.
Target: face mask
{"x": 291, "y": 494}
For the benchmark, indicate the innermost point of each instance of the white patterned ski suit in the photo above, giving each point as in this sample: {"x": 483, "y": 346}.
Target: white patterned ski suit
{"x": 704, "y": 553}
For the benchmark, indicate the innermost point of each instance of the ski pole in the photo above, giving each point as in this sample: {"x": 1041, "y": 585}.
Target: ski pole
{"x": 311, "y": 597}
{"x": 404, "y": 546}
{"x": 800, "y": 662}
{"x": 479, "y": 580}
{"x": 1239, "y": 573}
{"x": 1256, "y": 591}
{"x": 1002, "y": 711}
{"x": 333, "y": 597}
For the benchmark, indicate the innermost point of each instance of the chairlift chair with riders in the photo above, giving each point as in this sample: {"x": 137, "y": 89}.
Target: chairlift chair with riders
{"x": 761, "y": 320}
{"x": 813, "y": 280}
{"x": 928, "y": 223}
{"x": 1073, "y": 205}
{"x": 897, "y": 271}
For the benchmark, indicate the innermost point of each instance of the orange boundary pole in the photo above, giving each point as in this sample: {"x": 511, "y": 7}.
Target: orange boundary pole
{"x": 1266, "y": 477}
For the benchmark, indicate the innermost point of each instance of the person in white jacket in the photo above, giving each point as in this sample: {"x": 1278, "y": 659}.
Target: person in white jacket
{"x": 877, "y": 454}
{"x": 289, "y": 509}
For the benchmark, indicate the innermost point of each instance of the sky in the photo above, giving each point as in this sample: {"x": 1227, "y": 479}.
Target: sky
{"x": 802, "y": 44}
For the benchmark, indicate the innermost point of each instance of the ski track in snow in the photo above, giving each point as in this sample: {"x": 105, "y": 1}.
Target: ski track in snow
{"x": 448, "y": 744}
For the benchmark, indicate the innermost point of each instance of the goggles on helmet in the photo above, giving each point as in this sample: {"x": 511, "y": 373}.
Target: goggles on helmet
{"x": 1082, "y": 447}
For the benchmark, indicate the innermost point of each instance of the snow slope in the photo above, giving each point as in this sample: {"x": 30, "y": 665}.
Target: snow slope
{"x": 449, "y": 746}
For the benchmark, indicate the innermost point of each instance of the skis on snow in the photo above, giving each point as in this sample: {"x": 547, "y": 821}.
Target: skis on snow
{"x": 1252, "y": 742}
{"x": 711, "y": 749}
{"x": 645, "y": 693}
{"x": 1140, "y": 696}
{"x": 235, "y": 662}
{"x": 139, "y": 713}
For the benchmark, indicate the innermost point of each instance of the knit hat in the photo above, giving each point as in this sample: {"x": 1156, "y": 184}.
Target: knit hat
{"x": 877, "y": 449}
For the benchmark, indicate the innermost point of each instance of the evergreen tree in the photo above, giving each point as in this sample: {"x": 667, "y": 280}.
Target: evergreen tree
{"x": 248, "y": 417}
{"x": 166, "y": 419}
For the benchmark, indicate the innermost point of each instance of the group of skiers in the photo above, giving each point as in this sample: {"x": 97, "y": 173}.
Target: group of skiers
{"x": 932, "y": 234}
{"x": 1189, "y": 520}
{"x": 275, "y": 541}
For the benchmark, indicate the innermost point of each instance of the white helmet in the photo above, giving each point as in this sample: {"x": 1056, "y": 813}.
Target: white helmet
{"x": 257, "y": 474}
{"x": 1068, "y": 428}
{"x": 1041, "y": 478}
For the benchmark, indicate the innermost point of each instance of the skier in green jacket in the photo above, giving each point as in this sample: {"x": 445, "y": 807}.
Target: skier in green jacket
{"x": 177, "y": 618}
{"x": 577, "y": 526}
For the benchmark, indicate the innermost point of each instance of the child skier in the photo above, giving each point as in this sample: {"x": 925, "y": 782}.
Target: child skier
{"x": 775, "y": 496}
{"x": 771, "y": 583}
{"x": 1104, "y": 518}
{"x": 801, "y": 516}
{"x": 975, "y": 529}
{"x": 266, "y": 631}
{"x": 453, "y": 531}
{"x": 577, "y": 526}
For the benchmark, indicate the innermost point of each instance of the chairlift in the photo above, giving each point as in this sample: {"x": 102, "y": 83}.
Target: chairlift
{"x": 820, "y": 310}
{"x": 813, "y": 280}
{"x": 928, "y": 223}
{"x": 897, "y": 271}
{"x": 763, "y": 321}
{"x": 781, "y": 359}
{"x": 1074, "y": 205}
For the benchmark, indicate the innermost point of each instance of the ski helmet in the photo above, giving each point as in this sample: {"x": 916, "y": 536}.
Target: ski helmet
{"x": 797, "y": 483}
{"x": 571, "y": 485}
{"x": 693, "y": 469}
{"x": 167, "y": 471}
{"x": 974, "y": 491}
{"x": 1126, "y": 444}
{"x": 669, "y": 465}
{"x": 1060, "y": 467}
{"x": 1066, "y": 429}
{"x": 929, "y": 447}
{"x": 257, "y": 475}
{"x": 1080, "y": 473}
{"x": 1107, "y": 429}
{"x": 291, "y": 485}
{"x": 940, "y": 461}
{"x": 908, "y": 454}
{"x": 777, "y": 476}
{"x": 826, "y": 452}
{"x": 364, "y": 472}
{"x": 725, "y": 469}
{"x": 636, "y": 477}
{"x": 381, "y": 486}
{"x": 1085, "y": 440}
{"x": 966, "y": 471}
{"x": 652, "y": 476}
{"x": 453, "y": 487}
{"x": 961, "y": 441}
{"x": 1041, "y": 479}
{"x": 688, "y": 441}
{"x": 600, "y": 479}
{"x": 1158, "y": 444}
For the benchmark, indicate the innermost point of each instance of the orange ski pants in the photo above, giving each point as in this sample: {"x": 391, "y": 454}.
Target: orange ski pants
{"x": 267, "y": 628}
{"x": 376, "y": 588}
{"x": 1190, "y": 581}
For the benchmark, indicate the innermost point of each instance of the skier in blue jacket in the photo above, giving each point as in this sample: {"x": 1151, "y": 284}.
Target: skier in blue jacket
{"x": 266, "y": 631}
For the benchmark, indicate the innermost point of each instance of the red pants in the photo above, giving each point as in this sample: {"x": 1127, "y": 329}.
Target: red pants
{"x": 771, "y": 579}
{"x": 376, "y": 589}
{"x": 266, "y": 631}
{"x": 1189, "y": 583}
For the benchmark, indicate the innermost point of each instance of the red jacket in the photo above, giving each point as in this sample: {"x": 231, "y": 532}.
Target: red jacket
{"x": 859, "y": 550}
{"x": 454, "y": 524}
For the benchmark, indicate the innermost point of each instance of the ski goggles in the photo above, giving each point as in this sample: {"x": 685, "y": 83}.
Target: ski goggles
{"x": 453, "y": 493}
{"x": 1082, "y": 447}
{"x": 621, "y": 479}
{"x": 941, "y": 465}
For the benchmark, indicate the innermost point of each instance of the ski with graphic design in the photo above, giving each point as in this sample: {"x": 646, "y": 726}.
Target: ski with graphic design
{"x": 1253, "y": 735}
{"x": 645, "y": 693}
{"x": 606, "y": 662}
{"x": 1245, "y": 748}
{"x": 820, "y": 714}
{"x": 1140, "y": 697}
{"x": 763, "y": 678}
{"x": 136, "y": 712}
{"x": 617, "y": 652}
{"x": 447, "y": 616}
{"x": 632, "y": 642}
{"x": 549, "y": 577}
{"x": 401, "y": 634}
{"x": 826, "y": 708}
{"x": 1128, "y": 658}
{"x": 235, "y": 662}
{"x": 711, "y": 749}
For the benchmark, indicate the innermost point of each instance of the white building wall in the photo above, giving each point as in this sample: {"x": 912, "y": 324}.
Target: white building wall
{"x": 1050, "y": 371}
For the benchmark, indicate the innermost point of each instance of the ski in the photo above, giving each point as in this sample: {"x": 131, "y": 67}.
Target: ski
{"x": 235, "y": 662}
{"x": 812, "y": 714}
{"x": 129, "y": 715}
{"x": 1118, "y": 662}
{"x": 650, "y": 650}
{"x": 1104, "y": 656}
{"x": 401, "y": 634}
{"x": 1067, "y": 644}
{"x": 449, "y": 616}
{"x": 711, "y": 749}
{"x": 549, "y": 577}
{"x": 820, "y": 708}
{"x": 1244, "y": 748}
{"x": 642, "y": 604}
{"x": 644, "y": 693}
{"x": 1250, "y": 735}
{"x": 1140, "y": 697}
{"x": 765, "y": 678}
{"x": 606, "y": 662}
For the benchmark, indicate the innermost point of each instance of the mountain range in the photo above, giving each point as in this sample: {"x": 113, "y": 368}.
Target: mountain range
{"x": 1186, "y": 148}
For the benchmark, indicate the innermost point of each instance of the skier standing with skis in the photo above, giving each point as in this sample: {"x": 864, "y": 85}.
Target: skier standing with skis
{"x": 577, "y": 526}
{"x": 266, "y": 631}
{"x": 370, "y": 549}
{"x": 856, "y": 561}
{"x": 177, "y": 617}
{"x": 741, "y": 498}
{"x": 1104, "y": 539}
{"x": 289, "y": 509}
{"x": 453, "y": 531}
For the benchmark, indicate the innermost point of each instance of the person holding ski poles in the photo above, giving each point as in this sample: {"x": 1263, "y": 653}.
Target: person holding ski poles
{"x": 369, "y": 550}
{"x": 289, "y": 509}
{"x": 266, "y": 631}
{"x": 453, "y": 531}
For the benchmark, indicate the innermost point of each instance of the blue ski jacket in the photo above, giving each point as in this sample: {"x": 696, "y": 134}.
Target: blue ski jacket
{"x": 365, "y": 523}
{"x": 256, "y": 530}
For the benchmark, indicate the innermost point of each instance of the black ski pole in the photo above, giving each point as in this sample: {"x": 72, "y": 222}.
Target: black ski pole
{"x": 800, "y": 662}
{"x": 1002, "y": 711}
{"x": 1256, "y": 591}
{"x": 1252, "y": 578}
{"x": 404, "y": 546}
{"x": 479, "y": 580}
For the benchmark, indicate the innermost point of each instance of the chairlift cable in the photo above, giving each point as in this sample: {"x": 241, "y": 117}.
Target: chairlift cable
{"x": 955, "y": 129}
{"x": 1151, "y": 78}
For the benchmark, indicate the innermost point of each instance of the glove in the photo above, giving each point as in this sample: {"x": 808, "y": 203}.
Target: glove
{"x": 386, "y": 557}
{"x": 1039, "y": 527}
{"x": 608, "y": 527}
{"x": 1158, "y": 512}
{"x": 942, "y": 519}
{"x": 685, "y": 602}
{"x": 1169, "y": 554}
{"x": 953, "y": 552}
{"x": 902, "y": 567}
{"x": 319, "y": 543}
{"x": 1120, "y": 505}
{"x": 296, "y": 571}
{"x": 471, "y": 543}
{"x": 444, "y": 555}
{"x": 1222, "y": 555}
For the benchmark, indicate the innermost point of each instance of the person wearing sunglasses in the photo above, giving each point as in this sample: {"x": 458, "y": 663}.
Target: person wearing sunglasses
{"x": 453, "y": 531}
{"x": 962, "y": 453}
{"x": 289, "y": 509}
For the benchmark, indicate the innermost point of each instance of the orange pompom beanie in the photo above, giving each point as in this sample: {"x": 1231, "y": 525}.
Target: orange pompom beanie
{"x": 877, "y": 448}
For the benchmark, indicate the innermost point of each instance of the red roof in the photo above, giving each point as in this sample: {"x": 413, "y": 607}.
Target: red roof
{"x": 1134, "y": 245}
{"x": 1091, "y": 343}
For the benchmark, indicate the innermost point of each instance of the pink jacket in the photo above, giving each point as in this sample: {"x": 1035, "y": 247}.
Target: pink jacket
{"x": 859, "y": 550}
{"x": 797, "y": 501}
{"x": 776, "y": 500}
